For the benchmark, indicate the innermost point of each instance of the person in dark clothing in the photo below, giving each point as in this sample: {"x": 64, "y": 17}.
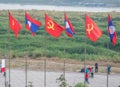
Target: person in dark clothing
{"x": 96, "y": 67}
{"x": 108, "y": 69}
{"x": 92, "y": 72}
{"x": 4, "y": 74}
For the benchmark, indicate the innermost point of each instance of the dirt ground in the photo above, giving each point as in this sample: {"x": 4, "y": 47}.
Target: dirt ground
{"x": 56, "y": 64}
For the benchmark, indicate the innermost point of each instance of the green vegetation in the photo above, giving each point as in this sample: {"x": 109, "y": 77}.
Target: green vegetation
{"x": 62, "y": 81}
{"x": 64, "y": 47}
{"x": 80, "y": 85}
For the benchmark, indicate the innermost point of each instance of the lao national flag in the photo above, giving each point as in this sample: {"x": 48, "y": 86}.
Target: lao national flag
{"x": 3, "y": 66}
{"x": 69, "y": 28}
{"x": 111, "y": 31}
{"x": 31, "y": 24}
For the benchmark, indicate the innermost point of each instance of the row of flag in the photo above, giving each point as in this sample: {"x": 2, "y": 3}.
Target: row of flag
{"x": 93, "y": 32}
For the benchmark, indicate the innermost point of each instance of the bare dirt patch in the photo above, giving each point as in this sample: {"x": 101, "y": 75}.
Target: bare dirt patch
{"x": 57, "y": 64}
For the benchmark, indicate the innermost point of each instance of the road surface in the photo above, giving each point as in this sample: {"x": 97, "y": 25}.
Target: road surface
{"x": 37, "y": 79}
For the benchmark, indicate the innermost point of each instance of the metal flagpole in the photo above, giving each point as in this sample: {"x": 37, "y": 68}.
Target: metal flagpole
{"x": 64, "y": 64}
{"x": 5, "y": 64}
{"x": 107, "y": 70}
{"x": 26, "y": 72}
{"x": 107, "y": 65}
{"x": 107, "y": 77}
{"x": 9, "y": 66}
{"x": 45, "y": 55}
{"x": 64, "y": 54}
{"x": 45, "y": 72}
{"x": 84, "y": 62}
{"x": 85, "y": 55}
{"x": 9, "y": 85}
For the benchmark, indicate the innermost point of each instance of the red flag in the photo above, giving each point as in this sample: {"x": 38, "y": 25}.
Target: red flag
{"x": 14, "y": 25}
{"x": 92, "y": 30}
{"x": 52, "y": 27}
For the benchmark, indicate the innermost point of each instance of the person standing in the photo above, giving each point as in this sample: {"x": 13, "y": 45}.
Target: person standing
{"x": 108, "y": 69}
{"x": 96, "y": 67}
{"x": 90, "y": 69}
{"x": 86, "y": 70}
{"x": 92, "y": 72}
{"x": 87, "y": 78}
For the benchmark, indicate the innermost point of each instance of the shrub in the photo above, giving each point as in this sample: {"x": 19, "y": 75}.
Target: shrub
{"x": 61, "y": 81}
{"x": 80, "y": 85}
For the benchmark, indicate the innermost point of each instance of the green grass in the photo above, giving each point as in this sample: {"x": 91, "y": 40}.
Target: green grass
{"x": 64, "y": 47}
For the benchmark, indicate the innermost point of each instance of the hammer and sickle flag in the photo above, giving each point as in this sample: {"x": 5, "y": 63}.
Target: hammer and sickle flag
{"x": 14, "y": 25}
{"x": 52, "y": 27}
{"x": 92, "y": 30}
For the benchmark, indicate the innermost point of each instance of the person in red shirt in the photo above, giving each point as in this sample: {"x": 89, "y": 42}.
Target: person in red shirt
{"x": 90, "y": 69}
{"x": 86, "y": 78}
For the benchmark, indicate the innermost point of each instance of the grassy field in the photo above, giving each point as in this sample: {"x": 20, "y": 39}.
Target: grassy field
{"x": 44, "y": 45}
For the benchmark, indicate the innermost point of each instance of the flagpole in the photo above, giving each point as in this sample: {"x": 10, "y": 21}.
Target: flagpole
{"x": 107, "y": 78}
{"x": 107, "y": 65}
{"x": 26, "y": 72}
{"x": 5, "y": 63}
{"x": 9, "y": 67}
{"x": 45, "y": 71}
{"x": 85, "y": 54}
{"x": 85, "y": 61}
{"x": 45, "y": 60}
{"x": 9, "y": 85}
{"x": 45, "y": 55}
{"x": 64, "y": 63}
{"x": 64, "y": 54}
{"x": 106, "y": 70}
{"x": 26, "y": 69}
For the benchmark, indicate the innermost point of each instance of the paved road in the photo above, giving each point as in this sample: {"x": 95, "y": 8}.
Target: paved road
{"x": 37, "y": 79}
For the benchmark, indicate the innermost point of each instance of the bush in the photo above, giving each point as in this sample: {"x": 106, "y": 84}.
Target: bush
{"x": 61, "y": 81}
{"x": 80, "y": 85}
